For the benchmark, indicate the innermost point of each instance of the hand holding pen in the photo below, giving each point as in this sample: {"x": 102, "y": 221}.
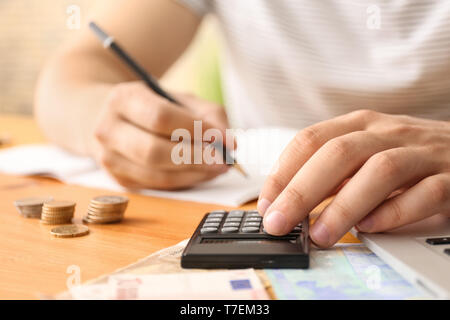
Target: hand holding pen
{"x": 136, "y": 124}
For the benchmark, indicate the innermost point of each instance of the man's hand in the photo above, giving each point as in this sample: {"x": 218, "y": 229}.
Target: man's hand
{"x": 389, "y": 171}
{"x": 134, "y": 131}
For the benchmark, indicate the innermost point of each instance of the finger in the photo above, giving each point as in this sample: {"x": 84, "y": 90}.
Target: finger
{"x": 138, "y": 176}
{"x": 428, "y": 197}
{"x": 154, "y": 151}
{"x": 212, "y": 113}
{"x": 302, "y": 147}
{"x": 381, "y": 175}
{"x": 325, "y": 171}
{"x": 157, "y": 115}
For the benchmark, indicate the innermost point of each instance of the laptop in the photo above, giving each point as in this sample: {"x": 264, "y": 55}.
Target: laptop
{"x": 420, "y": 252}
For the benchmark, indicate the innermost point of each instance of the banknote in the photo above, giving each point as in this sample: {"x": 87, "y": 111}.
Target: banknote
{"x": 241, "y": 284}
{"x": 165, "y": 261}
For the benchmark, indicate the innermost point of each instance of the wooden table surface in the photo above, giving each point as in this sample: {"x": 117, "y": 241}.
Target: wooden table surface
{"x": 32, "y": 262}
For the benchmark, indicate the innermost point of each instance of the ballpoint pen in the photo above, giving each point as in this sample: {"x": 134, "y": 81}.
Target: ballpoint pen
{"x": 109, "y": 42}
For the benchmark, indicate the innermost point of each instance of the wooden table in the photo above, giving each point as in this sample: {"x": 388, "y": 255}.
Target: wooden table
{"x": 34, "y": 262}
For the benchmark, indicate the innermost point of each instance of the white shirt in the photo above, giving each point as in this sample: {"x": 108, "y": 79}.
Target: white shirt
{"x": 296, "y": 62}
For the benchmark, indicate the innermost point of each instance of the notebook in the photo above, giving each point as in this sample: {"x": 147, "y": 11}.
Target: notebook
{"x": 257, "y": 152}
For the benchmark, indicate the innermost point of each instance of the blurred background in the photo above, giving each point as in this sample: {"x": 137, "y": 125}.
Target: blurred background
{"x": 30, "y": 30}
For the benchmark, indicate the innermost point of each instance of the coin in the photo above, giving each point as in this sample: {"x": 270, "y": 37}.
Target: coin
{"x": 106, "y": 209}
{"x": 52, "y": 223}
{"x": 105, "y": 218}
{"x": 68, "y": 231}
{"x": 57, "y": 212}
{"x": 32, "y": 202}
{"x": 58, "y": 205}
{"x": 88, "y": 220}
{"x": 100, "y": 215}
{"x": 102, "y": 200}
{"x": 31, "y": 207}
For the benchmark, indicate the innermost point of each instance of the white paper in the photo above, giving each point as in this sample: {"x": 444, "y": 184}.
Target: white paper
{"x": 257, "y": 152}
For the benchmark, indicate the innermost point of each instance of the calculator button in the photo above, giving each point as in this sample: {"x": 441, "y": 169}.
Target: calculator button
{"x": 252, "y": 212}
{"x": 236, "y": 213}
{"x": 233, "y": 219}
{"x": 253, "y": 219}
{"x": 231, "y": 224}
{"x": 250, "y": 229}
{"x": 211, "y": 224}
{"x": 208, "y": 220}
{"x": 252, "y": 224}
{"x": 215, "y": 215}
{"x": 208, "y": 230}
{"x": 229, "y": 229}
{"x": 222, "y": 212}
{"x": 253, "y": 215}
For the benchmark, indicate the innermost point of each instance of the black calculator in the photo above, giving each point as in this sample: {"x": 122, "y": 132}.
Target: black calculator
{"x": 237, "y": 239}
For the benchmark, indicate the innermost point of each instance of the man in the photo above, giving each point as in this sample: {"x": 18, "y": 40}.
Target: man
{"x": 366, "y": 83}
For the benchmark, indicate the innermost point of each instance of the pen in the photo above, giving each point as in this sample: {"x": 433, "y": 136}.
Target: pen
{"x": 108, "y": 42}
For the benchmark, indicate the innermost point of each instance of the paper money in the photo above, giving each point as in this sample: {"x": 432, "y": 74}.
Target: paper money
{"x": 241, "y": 284}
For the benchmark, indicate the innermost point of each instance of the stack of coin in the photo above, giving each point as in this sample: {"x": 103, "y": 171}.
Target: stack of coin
{"x": 58, "y": 212}
{"x": 106, "y": 209}
{"x": 31, "y": 207}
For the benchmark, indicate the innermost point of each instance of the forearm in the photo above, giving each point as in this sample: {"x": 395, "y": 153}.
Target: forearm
{"x": 68, "y": 97}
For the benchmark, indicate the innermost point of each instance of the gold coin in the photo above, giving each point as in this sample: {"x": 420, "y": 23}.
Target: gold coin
{"x": 92, "y": 217}
{"x": 33, "y": 216}
{"x": 30, "y": 213}
{"x": 32, "y": 202}
{"x": 103, "y": 212}
{"x": 56, "y": 222}
{"x": 73, "y": 230}
{"x": 59, "y": 204}
{"x": 57, "y": 219}
{"x": 109, "y": 200}
{"x": 57, "y": 214}
{"x": 108, "y": 209}
{"x": 58, "y": 209}
{"x": 105, "y": 218}
{"x": 89, "y": 220}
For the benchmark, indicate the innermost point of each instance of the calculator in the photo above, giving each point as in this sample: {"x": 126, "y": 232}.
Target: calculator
{"x": 237, "y": 239}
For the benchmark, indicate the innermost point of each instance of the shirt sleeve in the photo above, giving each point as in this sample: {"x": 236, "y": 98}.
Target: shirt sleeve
{"x": 199, "y": 7}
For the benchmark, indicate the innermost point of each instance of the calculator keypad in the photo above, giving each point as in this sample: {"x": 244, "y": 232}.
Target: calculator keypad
{"x": 238, "y": 222}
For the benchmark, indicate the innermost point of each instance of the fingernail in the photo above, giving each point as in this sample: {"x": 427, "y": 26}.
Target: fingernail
{"x": 275, "y": 222}
{"x": 262, "y": 206}
{"x": 365, "y": 224}
{"x": 319, "y": 234}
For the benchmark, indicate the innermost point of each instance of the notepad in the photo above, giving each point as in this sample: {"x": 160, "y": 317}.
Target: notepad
{"x": 257, "y": 152}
